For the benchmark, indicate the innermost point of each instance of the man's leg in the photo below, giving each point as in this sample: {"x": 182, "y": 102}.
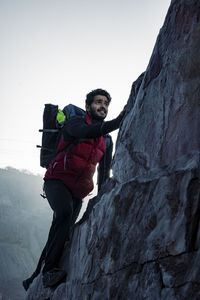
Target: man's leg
{"x": 66, "y": 211}
{"x": 61, "y": 201}
{"x": 77, "y": 204}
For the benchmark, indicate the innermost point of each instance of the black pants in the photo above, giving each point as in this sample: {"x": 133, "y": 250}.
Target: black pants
{"x": 66, "y": 210}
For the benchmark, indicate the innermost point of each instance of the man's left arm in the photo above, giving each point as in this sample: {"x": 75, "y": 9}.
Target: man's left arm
{"x": 105, "y": 163}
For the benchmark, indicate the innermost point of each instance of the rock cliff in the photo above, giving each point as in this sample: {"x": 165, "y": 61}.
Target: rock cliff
{"x": 140, "y": 238}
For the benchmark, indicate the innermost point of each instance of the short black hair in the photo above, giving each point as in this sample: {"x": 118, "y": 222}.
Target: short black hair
{"x": 90, "y": 96}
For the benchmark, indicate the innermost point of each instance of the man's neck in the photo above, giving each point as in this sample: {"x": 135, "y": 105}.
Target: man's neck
{"x": 94, "y": 120}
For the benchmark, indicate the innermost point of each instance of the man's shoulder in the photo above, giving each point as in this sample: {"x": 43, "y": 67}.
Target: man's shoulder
{"x": 73, "y": 124}
{"x": 75, "y": 119}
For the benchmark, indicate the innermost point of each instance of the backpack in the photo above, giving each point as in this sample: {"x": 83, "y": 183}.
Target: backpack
{"x": 51, "y": 131}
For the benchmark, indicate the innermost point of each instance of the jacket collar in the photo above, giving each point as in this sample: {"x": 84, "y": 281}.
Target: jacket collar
{"x": 90, "y": 121}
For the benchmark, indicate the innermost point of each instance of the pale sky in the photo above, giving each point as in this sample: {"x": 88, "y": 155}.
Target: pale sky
{"x": 58, "y": 51}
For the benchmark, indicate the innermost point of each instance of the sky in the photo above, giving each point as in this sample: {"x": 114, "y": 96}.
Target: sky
{"x": 56, "y": 51}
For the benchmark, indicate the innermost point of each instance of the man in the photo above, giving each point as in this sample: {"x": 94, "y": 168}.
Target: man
{"x": 84, "y": 143}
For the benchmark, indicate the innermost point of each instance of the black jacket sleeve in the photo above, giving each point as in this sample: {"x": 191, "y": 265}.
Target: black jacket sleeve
{"x": 105, "y": 163}
{"x": 77, "y": 128}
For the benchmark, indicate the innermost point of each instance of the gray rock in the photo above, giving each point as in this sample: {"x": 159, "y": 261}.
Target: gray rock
{"x": 140, "y": 237}
{"x": 164, "y": 122}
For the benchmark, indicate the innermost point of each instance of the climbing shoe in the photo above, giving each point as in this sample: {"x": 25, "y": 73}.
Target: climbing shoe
{"x": 53, "y": 277}
{"x": 26, "y": 283}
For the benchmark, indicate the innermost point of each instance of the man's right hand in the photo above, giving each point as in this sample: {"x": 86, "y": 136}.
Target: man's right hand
{"x": 122, "y": 113}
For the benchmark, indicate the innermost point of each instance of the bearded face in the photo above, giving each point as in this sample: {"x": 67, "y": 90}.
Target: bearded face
{"x": 98, "y": 110}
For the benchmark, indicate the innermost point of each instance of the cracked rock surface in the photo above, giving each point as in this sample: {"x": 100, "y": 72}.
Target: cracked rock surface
{"x": 140, "y": 238}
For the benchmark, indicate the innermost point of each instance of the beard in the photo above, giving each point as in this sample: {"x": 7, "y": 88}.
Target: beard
{"x": 95, "y": 116}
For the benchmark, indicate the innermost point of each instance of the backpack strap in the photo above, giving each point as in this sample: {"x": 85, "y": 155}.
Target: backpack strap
{"x": 49, "y": 130}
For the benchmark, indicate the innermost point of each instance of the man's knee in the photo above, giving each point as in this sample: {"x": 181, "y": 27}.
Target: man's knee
{"x": 63, "y": 215}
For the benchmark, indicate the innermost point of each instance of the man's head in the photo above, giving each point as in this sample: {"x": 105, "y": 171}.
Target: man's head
{"x": 97, "y": 102}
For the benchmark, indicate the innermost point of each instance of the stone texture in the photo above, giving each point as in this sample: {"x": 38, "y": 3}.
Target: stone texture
{"x": 164, "y": 123}
{"x": 140, "y": 237}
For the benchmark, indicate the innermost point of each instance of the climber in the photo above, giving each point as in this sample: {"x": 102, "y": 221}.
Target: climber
{"x": 68, "y": 178}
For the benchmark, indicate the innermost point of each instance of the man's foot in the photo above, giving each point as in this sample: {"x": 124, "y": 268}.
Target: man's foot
{"x": 26, "y": 283}
{"x": 53, "y": 277}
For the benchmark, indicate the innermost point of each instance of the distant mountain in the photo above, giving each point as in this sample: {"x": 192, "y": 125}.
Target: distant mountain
{"x": 25, "y": 219}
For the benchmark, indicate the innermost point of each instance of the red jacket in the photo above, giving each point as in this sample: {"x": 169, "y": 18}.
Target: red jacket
{"x": 76, "y": 167}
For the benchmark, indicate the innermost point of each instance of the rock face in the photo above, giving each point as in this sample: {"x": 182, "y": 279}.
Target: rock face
{"x": 141, "y": 240}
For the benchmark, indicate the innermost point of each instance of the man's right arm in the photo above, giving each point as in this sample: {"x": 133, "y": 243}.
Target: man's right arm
{"x": 78, "y": 128}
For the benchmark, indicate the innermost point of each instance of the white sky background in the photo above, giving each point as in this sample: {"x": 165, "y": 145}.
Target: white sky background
{"x": 56, "y": 51}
